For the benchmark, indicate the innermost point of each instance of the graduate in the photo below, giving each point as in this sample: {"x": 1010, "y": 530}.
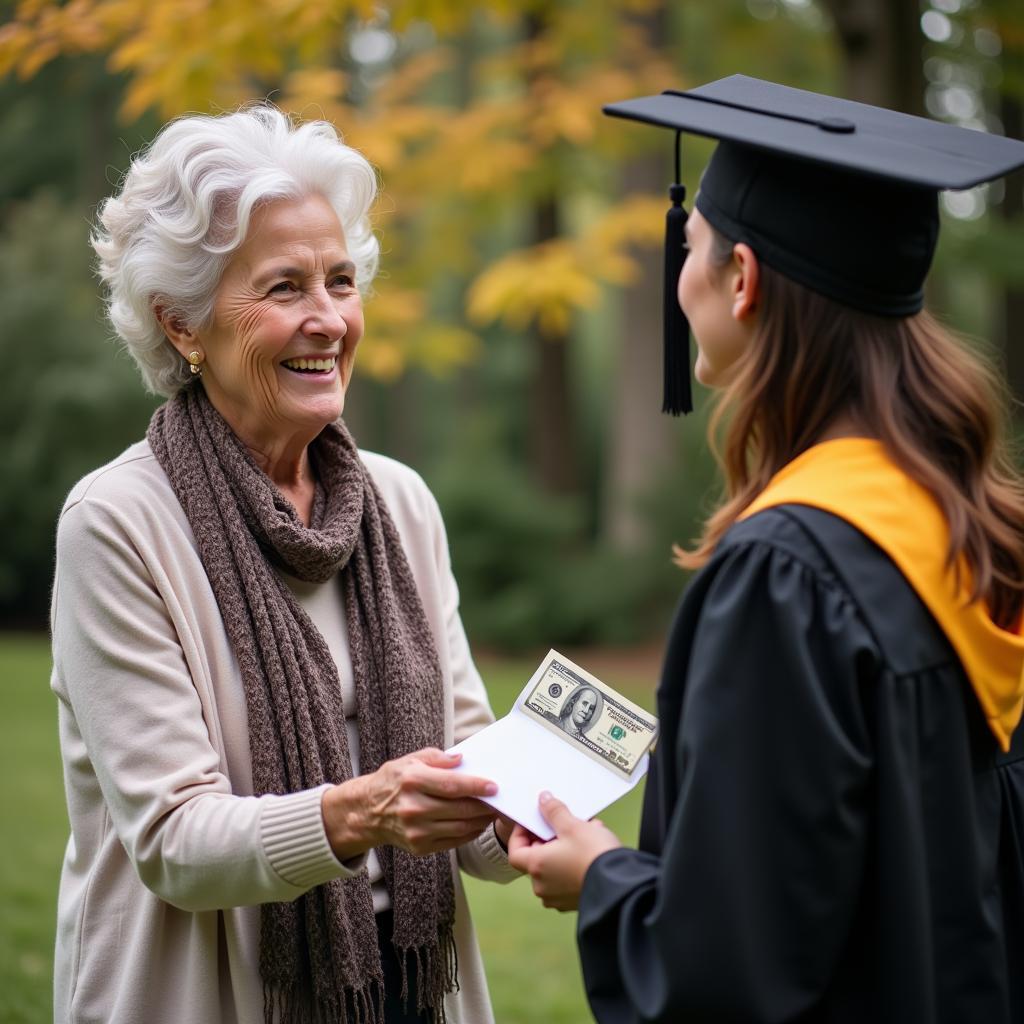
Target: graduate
{"x": 833, "y": 827}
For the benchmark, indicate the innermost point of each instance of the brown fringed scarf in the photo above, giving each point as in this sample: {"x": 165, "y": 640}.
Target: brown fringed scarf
{"x": 319, "y": 959}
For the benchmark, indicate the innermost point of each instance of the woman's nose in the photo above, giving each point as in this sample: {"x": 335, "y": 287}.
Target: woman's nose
{"x": 325, "y": 318}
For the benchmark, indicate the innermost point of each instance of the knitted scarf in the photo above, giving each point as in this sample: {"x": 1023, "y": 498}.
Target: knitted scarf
{"x": 319, "y": 959}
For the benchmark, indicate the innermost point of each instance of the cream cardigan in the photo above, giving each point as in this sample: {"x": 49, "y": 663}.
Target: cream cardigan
{"x": 170, "y": 854}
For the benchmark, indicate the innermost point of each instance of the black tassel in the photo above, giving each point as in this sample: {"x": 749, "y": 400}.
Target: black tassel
{"x": 678, "y": 392}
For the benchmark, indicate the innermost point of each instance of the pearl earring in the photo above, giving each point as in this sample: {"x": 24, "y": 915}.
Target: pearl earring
{"x": 195, "y": 360}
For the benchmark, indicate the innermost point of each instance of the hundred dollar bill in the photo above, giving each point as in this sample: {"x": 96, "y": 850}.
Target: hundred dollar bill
{"x": 583, "y": 711}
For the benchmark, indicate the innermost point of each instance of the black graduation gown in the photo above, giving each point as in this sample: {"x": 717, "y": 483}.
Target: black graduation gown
{"x": 831, "y": 832}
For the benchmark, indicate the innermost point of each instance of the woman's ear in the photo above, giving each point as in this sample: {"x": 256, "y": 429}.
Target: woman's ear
{"x": 178, "y": 333}
{"x": 746, "y": 281}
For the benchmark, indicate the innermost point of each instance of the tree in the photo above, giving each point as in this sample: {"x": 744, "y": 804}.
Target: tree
{"x": 881, "y": 45}
{"x": 468, "y": 143}
{"x": 512, "y": 215}
{"x": 63, "y": 411}
{"x": 1005, "y": 32}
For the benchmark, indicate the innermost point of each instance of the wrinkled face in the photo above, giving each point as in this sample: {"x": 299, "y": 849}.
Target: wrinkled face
{"x": 706, "y": 296}
{"x": 287, "y": 319}
{"x": 583, "y": 709}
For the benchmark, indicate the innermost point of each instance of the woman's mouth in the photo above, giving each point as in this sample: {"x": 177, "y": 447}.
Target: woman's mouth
{"x": 310, "y": 365}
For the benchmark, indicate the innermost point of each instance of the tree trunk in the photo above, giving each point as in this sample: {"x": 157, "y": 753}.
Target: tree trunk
{"x": 553, "y": 450}
{"x": 640, "y": 435}
{"x": 881, "y": 44}
{"x": 1012, "y": 111}
{"x": 101, "y": 105}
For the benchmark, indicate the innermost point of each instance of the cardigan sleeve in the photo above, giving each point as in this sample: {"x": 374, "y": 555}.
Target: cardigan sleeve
{"x": 132, "y": 723}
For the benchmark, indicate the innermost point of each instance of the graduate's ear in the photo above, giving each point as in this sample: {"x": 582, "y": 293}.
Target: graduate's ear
{"x": 746, "y": 281}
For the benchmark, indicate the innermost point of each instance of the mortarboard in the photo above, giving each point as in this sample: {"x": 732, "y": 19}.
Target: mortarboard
{"x": 837, "y": 195}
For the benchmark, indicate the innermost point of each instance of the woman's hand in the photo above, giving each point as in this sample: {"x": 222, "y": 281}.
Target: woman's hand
{"x": 558, "y": 866}
{"x": 414, "y": 802}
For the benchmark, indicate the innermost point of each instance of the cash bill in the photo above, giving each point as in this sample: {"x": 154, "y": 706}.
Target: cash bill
{"x": 587, "y": 713}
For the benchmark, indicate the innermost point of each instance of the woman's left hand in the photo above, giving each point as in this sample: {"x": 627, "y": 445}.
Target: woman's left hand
{"x": 559, "y": 865}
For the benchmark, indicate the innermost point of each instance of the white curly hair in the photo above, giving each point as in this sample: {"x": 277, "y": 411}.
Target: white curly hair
{"x": 184, "y": 207}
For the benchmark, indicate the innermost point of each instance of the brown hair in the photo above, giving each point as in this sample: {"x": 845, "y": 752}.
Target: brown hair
{"x": 937, "y": 406}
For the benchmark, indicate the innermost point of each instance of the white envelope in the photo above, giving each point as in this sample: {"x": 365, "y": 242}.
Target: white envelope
{"x": 524, "y": 758}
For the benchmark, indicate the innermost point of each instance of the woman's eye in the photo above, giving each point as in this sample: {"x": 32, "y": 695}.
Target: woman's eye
{"x": 282, "y": 287}
{"x": 342, "y": 281}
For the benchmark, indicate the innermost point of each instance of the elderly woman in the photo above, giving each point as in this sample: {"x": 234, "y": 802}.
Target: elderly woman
{"x": 257, "y": 648}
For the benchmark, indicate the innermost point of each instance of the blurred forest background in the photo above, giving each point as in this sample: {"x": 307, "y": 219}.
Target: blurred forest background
{"x": 512, "y": 351}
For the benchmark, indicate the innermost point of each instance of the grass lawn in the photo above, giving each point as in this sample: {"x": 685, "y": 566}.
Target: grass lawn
{"x": 529, "y": 952}
{"x": 35, "y": 829}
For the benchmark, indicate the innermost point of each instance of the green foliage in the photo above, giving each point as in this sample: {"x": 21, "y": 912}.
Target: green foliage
{"x": 532, "y": 572}
{"x": 68, "y": 401}
{"x": 474, "y": 115}
{"x": 526, "y": 578}
{"x": 991, "y": 248}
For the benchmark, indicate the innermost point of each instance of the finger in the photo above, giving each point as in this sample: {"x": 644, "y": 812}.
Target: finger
{"x": 453, "y": 785}
{"x": 551, "y": 895}
{"x": 503, "y": 829}
{"x": 438, "y": 844}
{"x": 524, "y": 852}
{"x": 482, "y": 808}
{"x": 452, "y": 822}
{"x": 559, "y": 903}
{"x": 461, "y": 829}
{"x": 519, "y": 844}
{"x": 425, "y": 836}
{"x": 479, "y": 823}
{"x": 555, "y": 813}
{"x": 433, "y": 808}
{"x": 437, "y": 758}
{"x": 526, "y": 836}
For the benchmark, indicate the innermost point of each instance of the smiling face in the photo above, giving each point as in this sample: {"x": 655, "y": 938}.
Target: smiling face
{"x": 279, "y": 352}
{"x": 583, "y": 709}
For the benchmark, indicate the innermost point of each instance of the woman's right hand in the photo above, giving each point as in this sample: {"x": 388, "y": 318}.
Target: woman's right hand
{"x": 414, "y": 802}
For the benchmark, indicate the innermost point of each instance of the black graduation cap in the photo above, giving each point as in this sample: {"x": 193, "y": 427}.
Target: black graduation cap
{"x": 839, "y": 196}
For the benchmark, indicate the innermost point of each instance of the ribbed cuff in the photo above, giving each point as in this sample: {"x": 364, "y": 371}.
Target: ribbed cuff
{"x": 494, "y": 853}
{"x": 295, "y": 840}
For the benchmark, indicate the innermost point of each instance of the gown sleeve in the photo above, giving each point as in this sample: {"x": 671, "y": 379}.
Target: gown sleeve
{"x": 742, "y": 915}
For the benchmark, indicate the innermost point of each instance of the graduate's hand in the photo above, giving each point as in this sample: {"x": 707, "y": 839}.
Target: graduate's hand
{"x": 558, "y": 867}
{"x": 503, "y": 830}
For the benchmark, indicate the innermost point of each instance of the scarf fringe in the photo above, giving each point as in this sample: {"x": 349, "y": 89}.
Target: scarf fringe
{"x": 288, "y": 1006}
{"x": 437, "y": 974}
